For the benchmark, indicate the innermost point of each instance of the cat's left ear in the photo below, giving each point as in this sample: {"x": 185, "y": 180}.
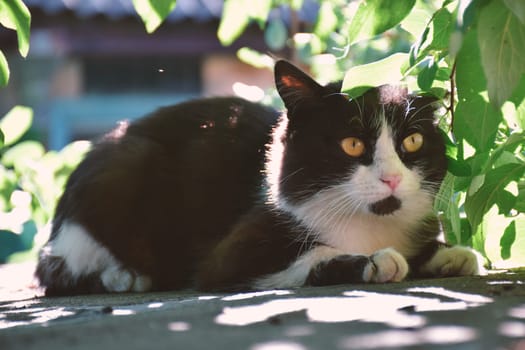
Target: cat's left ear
{"x": 294, "y": 85}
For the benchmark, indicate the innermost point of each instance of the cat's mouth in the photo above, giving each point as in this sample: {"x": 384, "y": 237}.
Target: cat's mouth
{"x": 385, "y": 206}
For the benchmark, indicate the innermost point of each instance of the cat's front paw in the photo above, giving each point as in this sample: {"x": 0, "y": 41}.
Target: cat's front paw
{"x": 453, "y": 261}
{"x": 385, "y": 265}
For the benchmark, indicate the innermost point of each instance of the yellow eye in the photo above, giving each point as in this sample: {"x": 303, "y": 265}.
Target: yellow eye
{"x": 353, "y": 146}
{"x": 413, "y": 142}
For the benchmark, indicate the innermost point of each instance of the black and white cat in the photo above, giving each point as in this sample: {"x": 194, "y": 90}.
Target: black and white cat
{"x": 224, "y": 194}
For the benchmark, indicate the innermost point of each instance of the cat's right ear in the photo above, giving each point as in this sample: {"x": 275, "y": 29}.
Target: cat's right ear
{"x": 294, "y": 85}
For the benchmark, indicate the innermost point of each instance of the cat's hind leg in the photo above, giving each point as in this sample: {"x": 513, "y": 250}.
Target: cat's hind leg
{"x": 74, "y": 263}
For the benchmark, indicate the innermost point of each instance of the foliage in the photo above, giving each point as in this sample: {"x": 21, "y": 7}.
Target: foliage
{"x": 470, "y": 53}
{"x": 31, "y": 179}
{"x": 14, "y": 15}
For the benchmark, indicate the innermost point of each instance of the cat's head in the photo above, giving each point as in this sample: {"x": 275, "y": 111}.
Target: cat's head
{"x": 378, "y": 155}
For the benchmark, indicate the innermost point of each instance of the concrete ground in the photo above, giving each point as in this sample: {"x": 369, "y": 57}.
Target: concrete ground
{"x": 455, "y": 313}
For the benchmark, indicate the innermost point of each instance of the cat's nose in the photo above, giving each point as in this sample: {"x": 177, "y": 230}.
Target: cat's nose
{"x": 391, "y": 180}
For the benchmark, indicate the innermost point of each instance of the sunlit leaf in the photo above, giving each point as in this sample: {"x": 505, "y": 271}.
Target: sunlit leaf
{"x": 15, "y": 15}
{"x": 477, "y": 204}
{"x": 386, "y": 71}
{"x": 255, "y": 58}
{"x": 16, "y": 123}
{"x": 23, "y": 154}
{"x": 235, "y": 18}
{"x": 373, "y": 17}
{"x": 326, "y": 20}
{"x": 517, "y": 7}
{"x": 4, "y": 70}
{"x": 416, "y": 21}
{"x": 501, "y": 38}
{"x": 512, "y": 142}
{"x": 153, "y": 12}
{"x": 447, "y": 205}
{"x": 259, "y": 10}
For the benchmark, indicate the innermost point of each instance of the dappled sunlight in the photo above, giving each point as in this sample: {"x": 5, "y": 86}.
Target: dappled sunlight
{"x": 466, "y": 297}
{"x": 390, "y": 309}
{"x": 19, "y": 317}
{"x": 372, "y": 307}
{"x": 512, "y": 329}
{"x": 123, "y": 312}
{"x": 155, "y": 305}
{"x": 445, "y": 335}
{"x": 278, "y": 345}
{"x": 242, "y": 296}
{"x": 518, "y": 312}
{"x": 179, "y": 326}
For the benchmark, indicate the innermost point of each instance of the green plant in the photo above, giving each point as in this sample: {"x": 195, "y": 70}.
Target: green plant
{"x": 470, "y": 53}
{"x": 31, "y": 179}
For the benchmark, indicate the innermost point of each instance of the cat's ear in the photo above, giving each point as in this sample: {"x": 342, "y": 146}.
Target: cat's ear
{"x": 294, "y": 85}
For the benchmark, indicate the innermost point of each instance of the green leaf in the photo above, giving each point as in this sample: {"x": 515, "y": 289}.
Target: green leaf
{"x": 327, "y": 21}
{"x": 442, "y": 26}
{"x": 373, "y": 17}
{"x": 501, "y": 38}
{"x": 495, "y": 181}
{"x": 16, "y": 123}
{"x": 259, "y": 10}
{"x": 447, "y": 204}
{"x": 234, "y": 21}
{"x": 476, "y": 121}
{"x": 2, "y": 139}
{"x": 4, "y": 70}
{"x": 417, "y": 20}
{"x": 512, "y": 142}
{"x": 153, "y": 12}
{"x": 15, "y": 15}
{"x": 507, "y": 239}
{"x": 426, "y": 76}
{"x": 470, "y": 78}
{"x": 23, "y": 155}
{"x": 386, "y": 71}
{"x": 518, "y": 8}
{"x": 255, "y": 58}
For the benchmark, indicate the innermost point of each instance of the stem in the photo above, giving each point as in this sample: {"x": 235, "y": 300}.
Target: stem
{"x": 452, "y": 78}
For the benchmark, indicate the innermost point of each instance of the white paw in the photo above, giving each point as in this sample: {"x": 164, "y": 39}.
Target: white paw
{"x": 454, "y": 261}
{"x": 386, "y": 265}
{"x": 117, "y": 279}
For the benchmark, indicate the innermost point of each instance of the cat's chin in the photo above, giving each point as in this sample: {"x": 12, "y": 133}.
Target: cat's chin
{"x": 385, "y": 206}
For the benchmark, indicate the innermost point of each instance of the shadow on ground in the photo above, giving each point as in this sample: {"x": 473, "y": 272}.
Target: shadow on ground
{"x": 457, "y": 313}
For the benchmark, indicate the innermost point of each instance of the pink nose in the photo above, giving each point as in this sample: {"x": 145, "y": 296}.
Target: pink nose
{"x": 391, "y": 180}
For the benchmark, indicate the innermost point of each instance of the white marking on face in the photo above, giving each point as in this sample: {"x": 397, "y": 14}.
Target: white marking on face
{"x": 339, "y": 216}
